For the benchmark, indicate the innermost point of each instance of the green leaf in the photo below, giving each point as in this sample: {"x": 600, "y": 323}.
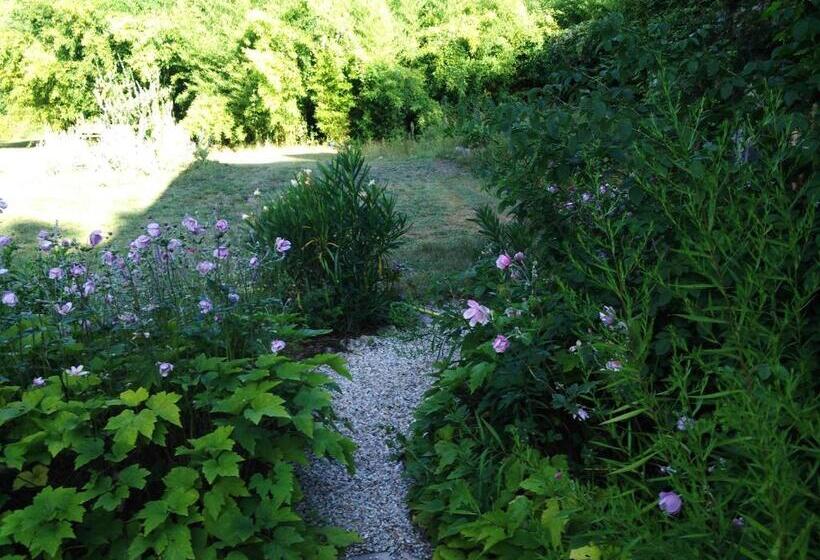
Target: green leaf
{"x": 266, "y": 404}
{"x": 181, "y": 477}
{"x": 87, "y": 450}
{"x": 478, "y": 374}
{"x": 128, "y": 426}
{"x": 133, "y": 476}
{"x": 175, "y": 543}
{"x": 553, "y": 521}
{"x": 154, "y": 513}
{"x": 589, "y": 552}
{"x": 227, "y": 464}
{"x": 163, "y": 404}
{"x": 36, "y": 477}
{"x": 133, "y": 398}
{"x": 304, "y": 423}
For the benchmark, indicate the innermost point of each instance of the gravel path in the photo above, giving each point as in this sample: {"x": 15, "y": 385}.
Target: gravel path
{"x": 390, "y": 376}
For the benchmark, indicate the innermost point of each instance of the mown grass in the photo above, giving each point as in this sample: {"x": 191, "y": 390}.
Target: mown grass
{"x": 437, "y": 193}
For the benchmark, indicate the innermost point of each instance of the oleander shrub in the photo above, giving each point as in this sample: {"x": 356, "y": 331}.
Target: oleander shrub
{"x": 339, "y": 227}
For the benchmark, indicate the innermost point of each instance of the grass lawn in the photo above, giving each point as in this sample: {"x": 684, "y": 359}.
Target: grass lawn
{"x": 436, "y": 193}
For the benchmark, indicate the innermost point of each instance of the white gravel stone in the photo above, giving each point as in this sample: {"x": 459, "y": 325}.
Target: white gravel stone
{"x": 389, "y": 377}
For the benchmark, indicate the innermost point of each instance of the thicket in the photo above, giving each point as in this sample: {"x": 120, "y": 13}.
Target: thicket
{"x": 253, "y": 71}
{"x": 637, "y": 376}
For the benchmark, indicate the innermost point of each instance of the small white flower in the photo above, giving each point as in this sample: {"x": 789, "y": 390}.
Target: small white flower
{"x": 257, "y": 192}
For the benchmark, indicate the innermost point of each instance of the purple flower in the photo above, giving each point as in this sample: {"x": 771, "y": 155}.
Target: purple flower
{"x": 43, "y": 234}
{"x": 126, "y": 318}
{"x": 667, "y": 469}
{"x": 76, "y": 371}
{"x": 108, "y": 258}
{"x": 63, "y": 308}
{"x": 38, "y": 381}
{"x": 165, "y": 368}
{"x": 153, "y": 230}
{"x": 205, "y": 267}
{"x": 191, "y": 224}
{"x": 738, "y": 522}
{"x": 569, "y": 205}
{"x": 95, "y": 238}
{"x": 233, "y": 297}
{"x": 4, "y": 240}
{"x": 205, "y": 306}
{"x": 55, "y": 273}
{"x": 222, "y": 225}
{"x": 3, "y": 205}
{"x": 77, "y": 270}
{"x": 558, "y": 475}
{"x": 277, "y": 346}
{"x": 89, "y": 287}
{"x": 221, "y": 252}
{"x": 670, "y": 503}
{"x": 174, "y": 244}
{"x": 501, "y": 343}
{"x": 254, "y": 262}
{"x": 586, "y": 197}
{"x": 607, "y": 316}
{"x": 476, "y": 313}
{"x": 141, "y": 242}
{"x": 503, "y": 261}
{"x": 614, "y": 365}
{"x": 518, "y": 257}
{"x": 552, "y": 189}
{"x": 684, "y": 423}
{"x": 581, "y": 414}
{"x": 45, "y": 245}
{"x": 10, "y": 299}
{"x": 281, "y": 245}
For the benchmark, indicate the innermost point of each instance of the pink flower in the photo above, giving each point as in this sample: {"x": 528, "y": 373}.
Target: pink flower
{"x": 607, "y": 316}
{"x": 501, "y": 343}
{"x": 670, "y": 503}
{"x": 95, "y": 238}
{"x": 205, "y": 306}
{"x": 191, "y": 224}
{"x": 64, "y": 308}
{"x": 221, "y": 253}
{"x": 165, "y": 368}
{"x": 55, "y": 273}
{"x": 503, "y": 261}
{"x": 518, "y": 257}
{"x": 89, "y": 287}
{"x": 77, "y": 270}
{"x": 4, "y": 240}
{"x": 254, "y": 262}
{"x": 205, "y": 267}
{"x": 281, "y": 245}
{"x": 153, "y": 230}
{"x": 476, "y": 313}
{"x": 614, "y": 365}
{"x": 38, "y": 381}
{"x": 277, "y": 346}
{"x": 581, "y": 414}
{"x": 222, "y": 225}
{"x": 10, "y": 299}
{"x": 76, "y": 371}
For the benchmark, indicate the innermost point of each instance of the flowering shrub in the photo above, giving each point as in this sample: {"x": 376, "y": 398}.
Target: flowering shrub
{"x": 147, "y": 403}
{"x": 340, "y": 228}
{"x": 658, "y": 344}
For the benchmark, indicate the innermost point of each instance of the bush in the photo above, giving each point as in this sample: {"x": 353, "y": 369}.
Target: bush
{"x": 342, "y": 227}
{"x": 138, "y": 414}
{"x": 199, "y": 467}
{"x": 393, "y": 101}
